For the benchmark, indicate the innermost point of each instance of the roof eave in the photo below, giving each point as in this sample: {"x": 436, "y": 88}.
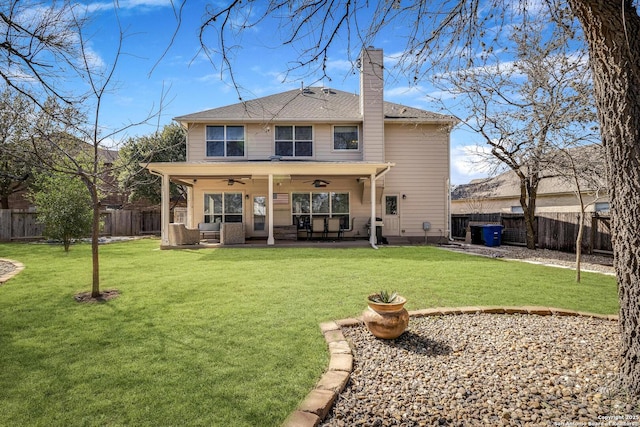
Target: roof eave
{"x": 186, "y": 120}
{"x": 253, "y": 168}
{"x": 423, "y": 120}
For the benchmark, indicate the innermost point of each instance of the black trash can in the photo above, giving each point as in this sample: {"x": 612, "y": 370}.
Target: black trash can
{"x": 379, "y": 237}
{"x": 476, "y": 235}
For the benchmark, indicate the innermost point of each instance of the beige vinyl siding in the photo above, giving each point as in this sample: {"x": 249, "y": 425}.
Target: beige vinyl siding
{"x": 259, "y": 141}
{"x": 421, "y": 155}
{"x": 260, "y": 144}
{"x": 195, "y": 142}
{"x": 324, "y": 145}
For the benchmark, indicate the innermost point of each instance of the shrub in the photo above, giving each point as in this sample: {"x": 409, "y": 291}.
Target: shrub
{"x": 64, "y": 207}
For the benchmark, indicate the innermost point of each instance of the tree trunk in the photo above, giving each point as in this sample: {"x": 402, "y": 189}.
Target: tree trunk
{"x": 528, "y": 204}
{"x": 95, "y": 235}
{"x": 579, "y": 242}
{"x": 612, "y": 30}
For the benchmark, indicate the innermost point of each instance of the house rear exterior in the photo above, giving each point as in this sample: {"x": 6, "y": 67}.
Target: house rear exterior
{"x": 277, "y": 163}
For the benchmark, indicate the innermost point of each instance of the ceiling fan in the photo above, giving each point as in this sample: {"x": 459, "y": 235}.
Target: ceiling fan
{"x": 319, "y": 183}
{"x": 232, "y": 181}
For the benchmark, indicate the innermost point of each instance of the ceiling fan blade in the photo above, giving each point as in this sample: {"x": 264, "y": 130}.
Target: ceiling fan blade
{"x": 232, "y": 181}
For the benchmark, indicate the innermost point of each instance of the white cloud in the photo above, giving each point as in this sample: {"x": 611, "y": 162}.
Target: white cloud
{"x": 469, "y": 162}
{"x": 93, "y": 59}
{"x": 402, "y": 91}
{"x": 393, "y": 59}
{"x": 128, "y": 4}
{"x": 342, "y": 65}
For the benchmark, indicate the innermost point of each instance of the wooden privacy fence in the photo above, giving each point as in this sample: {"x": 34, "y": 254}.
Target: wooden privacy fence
{"x": 23, "y": 225}
{"x": 19, "y": 225}
{"x": 130, "y": 222}
{"x": 556, "y": 231}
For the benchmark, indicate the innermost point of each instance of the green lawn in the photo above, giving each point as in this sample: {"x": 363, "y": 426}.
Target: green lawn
{"x": 220, "y": 337}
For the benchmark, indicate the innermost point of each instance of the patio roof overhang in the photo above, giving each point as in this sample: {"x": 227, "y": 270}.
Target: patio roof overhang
{"x": 185, "y": 172}
{"x": 188, "y": 172}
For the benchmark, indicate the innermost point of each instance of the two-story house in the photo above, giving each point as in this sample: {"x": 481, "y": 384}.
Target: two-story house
{"x": 292, "y": 159}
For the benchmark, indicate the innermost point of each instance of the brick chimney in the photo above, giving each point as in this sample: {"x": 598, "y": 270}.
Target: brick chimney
{"x": 372, "y": 103}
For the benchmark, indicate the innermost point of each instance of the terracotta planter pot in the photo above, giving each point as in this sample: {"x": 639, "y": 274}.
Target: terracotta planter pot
{"x": 386, "y": 320}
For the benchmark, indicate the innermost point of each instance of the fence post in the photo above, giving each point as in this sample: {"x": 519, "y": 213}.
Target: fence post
{"x": 5, "y": 225}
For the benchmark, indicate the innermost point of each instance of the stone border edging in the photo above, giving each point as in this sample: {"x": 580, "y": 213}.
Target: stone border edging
{"x": 315, "y": 407}
{"x": 18, "y": 268}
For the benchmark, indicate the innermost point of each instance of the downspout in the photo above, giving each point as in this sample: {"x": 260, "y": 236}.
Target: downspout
{"x": 448, "y": 213}
{"x": 372, "y": 229}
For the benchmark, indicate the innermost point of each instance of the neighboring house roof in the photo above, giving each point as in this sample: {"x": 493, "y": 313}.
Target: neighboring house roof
{"x": 312, "y": 104}
{"x": 507, "y": 184}
{"x": 107, "y": 155}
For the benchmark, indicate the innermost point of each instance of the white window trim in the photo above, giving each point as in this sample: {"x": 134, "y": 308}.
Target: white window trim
{"x": 329, "y": 214}
{"x": 244, "y": 141}
{"x": 313, "y": 140}
{"x": 345, "y": 150}
{"x": 223, "y": 214}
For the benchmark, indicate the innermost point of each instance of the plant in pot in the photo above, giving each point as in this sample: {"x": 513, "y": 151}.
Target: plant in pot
{"x": 386, "y": 316}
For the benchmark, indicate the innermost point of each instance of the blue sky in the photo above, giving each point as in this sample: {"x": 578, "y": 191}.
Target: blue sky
{"x": 191, "y": 83}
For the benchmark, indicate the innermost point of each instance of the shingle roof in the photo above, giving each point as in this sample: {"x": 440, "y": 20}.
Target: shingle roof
{"x": 312, "y": 104}
{"x": 507, "y": 184}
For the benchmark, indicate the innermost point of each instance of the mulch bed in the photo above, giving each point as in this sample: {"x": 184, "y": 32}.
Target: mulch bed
{"x": 85, "y": 297}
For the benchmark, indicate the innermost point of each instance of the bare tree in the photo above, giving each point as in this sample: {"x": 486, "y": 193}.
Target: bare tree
{"x": 456, "y": 32}
{"x": 39, "y": 47}
{"x": 527, "y": 107}
{"x": 74, "y": 140}
{"x": 584, "y": 169}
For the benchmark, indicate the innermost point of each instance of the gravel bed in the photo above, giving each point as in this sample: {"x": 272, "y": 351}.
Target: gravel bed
{"x": 6, "y": 267}
{"x": 484, "y": 369}
{"x": 597, "y": 263}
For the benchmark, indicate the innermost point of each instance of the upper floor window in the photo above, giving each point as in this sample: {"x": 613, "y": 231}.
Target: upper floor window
{"x": 294, "y": 141}
{"x": 225, "y": 141}
{"x": 345, "y": 138}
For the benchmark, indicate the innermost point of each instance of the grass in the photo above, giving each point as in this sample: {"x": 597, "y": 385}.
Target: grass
{"x": 220, "y": 337}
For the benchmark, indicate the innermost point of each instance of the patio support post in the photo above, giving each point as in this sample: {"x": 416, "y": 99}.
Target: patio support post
{"x": 165, "y": 210}
{"x": 372, "y": 228}
{"x": 190, "y": 219}
{"x": 270, "y": 239}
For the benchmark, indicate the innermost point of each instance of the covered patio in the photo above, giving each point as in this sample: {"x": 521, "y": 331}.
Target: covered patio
{"x": 276, "y": 180}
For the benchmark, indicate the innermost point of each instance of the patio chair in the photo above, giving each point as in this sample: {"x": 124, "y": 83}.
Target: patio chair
{"x": 317, "y": 226}
{"x": 334, "y": 226}
{"x": 232, "y": 233}
{"x": 179, "y": 235}
{"x": 209, "y": 230}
